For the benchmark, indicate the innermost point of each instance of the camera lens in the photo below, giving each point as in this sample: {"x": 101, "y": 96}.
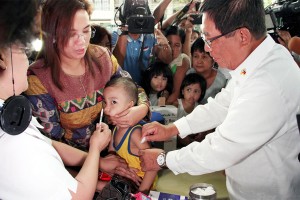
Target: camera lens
{"x": 140, "y": 22}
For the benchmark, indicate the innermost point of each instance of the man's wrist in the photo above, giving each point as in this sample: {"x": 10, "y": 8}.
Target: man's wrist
{"x": 162, "y": 160}
{"x": 172, "y": 129}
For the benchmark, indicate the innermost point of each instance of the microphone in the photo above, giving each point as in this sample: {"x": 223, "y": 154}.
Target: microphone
{"x": 294, "y": 45}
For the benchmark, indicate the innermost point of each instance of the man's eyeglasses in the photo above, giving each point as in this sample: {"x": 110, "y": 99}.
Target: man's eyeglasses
{"x": 209, "y": 42}
{"x": 87, "y": 34}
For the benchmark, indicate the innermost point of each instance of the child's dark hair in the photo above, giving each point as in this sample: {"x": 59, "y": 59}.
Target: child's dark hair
{"x": 128, "y": 84}
{"x": 156, "y": 69}
{"x": 198, "y": 45}
{"x": 194, "y": 78}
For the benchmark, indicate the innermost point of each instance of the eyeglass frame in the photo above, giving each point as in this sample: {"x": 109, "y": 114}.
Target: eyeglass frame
{"x": 93, "y": 32}
{"x": 209, "y": 42}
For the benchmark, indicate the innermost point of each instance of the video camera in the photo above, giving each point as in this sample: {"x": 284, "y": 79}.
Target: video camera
{"x": 137, "y": 16}
{"x": 283, "y": 15}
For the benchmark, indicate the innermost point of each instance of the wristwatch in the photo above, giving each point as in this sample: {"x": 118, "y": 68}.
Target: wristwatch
{"x": 161, "y": 160}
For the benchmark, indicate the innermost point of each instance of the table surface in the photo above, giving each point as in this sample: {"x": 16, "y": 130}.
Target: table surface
{"x": 180, "y": 184}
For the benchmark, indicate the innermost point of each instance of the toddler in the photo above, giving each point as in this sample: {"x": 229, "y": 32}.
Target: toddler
{"x": 192, "y": 89}
{"x": 119, "y": 95}
{"x": 157, "y": 82}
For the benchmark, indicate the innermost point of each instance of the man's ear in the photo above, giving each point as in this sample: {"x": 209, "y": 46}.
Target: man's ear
{"x": 2, "y": 63}
{"x": 245, "y": 35}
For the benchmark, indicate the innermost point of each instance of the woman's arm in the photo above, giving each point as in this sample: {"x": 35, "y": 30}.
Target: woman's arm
{"x": 162, "y": 50}
{"x": 159, "y": 11}
{"x": 134, "y": 114}
{"x": 44, "y": 108}
{"x": 88, "y": 175}
{"x": 69, "y": 155}
{"x": 178, "y": 77}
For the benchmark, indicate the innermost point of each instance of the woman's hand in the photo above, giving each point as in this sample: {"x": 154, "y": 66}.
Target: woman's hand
{"x": 130, "y": 117}
{"x": 101, "y": 137}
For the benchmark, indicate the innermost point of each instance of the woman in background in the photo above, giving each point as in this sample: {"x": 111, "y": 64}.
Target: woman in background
{"x": 102, "y": 37}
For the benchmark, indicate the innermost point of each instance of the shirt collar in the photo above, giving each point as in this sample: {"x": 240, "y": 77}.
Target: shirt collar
{"x": 141, "y": 38}
{"x": 252, "y": 62}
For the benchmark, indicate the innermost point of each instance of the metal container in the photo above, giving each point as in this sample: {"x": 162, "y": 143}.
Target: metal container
{"x": 202, "y": 191}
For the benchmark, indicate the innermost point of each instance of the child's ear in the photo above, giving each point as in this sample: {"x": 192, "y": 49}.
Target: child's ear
{"x": 131, "y": 103}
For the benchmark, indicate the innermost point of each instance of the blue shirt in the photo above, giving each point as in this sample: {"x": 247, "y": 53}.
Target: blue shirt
{"x": 133, "y": 50}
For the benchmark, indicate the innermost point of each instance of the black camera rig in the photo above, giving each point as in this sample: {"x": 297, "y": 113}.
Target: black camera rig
{"x": 136, "y": 15}
{"x": 283, "y": 15}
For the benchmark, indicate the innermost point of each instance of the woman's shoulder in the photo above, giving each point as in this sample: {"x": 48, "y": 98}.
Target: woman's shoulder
{"x": 99, "y": 51}
{"x": 220, "y": 79}
{"x": 38, "y": 68}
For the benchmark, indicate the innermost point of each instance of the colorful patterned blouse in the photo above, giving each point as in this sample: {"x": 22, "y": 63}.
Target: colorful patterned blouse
{"x": 70, "y": 115}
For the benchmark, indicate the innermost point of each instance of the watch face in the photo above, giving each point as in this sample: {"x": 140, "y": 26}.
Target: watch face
{"x": 160, "y": 159}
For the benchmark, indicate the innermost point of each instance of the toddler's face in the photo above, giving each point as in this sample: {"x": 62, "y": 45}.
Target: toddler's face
{"x": 116, "y": 100}
{"x": 192, "y": 93}
{"x": 158, "y": 83}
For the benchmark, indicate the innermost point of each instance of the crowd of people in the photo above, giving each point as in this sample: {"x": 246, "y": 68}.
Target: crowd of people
{"x": 231, "y": 83}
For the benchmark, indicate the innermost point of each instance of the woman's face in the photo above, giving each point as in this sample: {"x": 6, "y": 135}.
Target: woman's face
{"x": 158, "y": 83}
{"x": 202, "y": 62}
{"x": 175, "y": 43}
{"x": 79, "y": 37}
{"x": 13, "y": 57}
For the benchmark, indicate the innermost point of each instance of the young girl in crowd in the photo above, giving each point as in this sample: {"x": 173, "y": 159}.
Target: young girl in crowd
{"x": 204, "y": 64}
{"x": 157, "y": 82}
{"x": 119, "y": 95}
{"x": 192, "y": 89}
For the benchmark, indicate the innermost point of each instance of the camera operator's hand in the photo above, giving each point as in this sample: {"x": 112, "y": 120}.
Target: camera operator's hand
{"x": 284, "y": 38}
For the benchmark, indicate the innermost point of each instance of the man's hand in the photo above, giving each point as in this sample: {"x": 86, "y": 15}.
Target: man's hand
{"x": 157, "y": 132}
{"x": 148, "y": 158}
